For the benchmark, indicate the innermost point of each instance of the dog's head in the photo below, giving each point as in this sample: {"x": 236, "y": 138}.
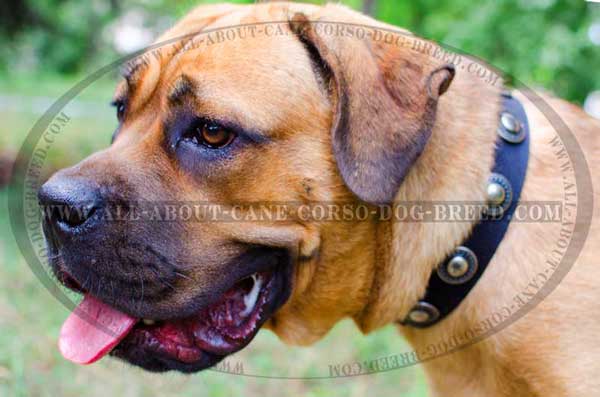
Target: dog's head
{"x": 246, "y": 112}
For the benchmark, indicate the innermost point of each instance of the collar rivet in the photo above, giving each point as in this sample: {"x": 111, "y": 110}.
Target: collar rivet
{"x": 419, "y": 316}
{"x": 499, "y": 195}
{"x": 511, "y": 129}
{"x": 510, "y": 123}
{"x": 422, "y": 314}
{"x": 460, "y": 268}
{"x": 495, "y": 194}
{"x": 457, "y": 266}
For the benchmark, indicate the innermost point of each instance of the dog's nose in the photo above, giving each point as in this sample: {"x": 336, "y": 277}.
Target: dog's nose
{"x": 68, "y": 203}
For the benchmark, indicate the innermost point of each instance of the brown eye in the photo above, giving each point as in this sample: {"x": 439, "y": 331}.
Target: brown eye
{"x": 214, "y": 136}
{"x": 209, "y": 134}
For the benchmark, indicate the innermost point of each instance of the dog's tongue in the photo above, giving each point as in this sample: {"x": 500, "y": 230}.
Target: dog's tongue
{"x": 92, "y": 330}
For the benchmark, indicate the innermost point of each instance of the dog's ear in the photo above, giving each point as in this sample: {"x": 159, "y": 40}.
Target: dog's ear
{"x": 385, "y": 98}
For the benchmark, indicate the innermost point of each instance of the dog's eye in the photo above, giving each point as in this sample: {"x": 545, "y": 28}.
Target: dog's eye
{"x": 120, "y": 106}
{"x": 211, "y": 135}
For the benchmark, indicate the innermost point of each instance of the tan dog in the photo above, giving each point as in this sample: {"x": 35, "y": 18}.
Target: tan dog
{"x": 299, "y": 114}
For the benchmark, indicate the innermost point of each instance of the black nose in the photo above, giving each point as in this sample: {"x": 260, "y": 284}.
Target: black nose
{"x": 68, "y": 203}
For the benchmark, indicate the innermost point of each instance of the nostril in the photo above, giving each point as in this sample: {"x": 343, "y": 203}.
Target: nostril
{"x": 68, "y": 216}
{"x": 75, "y": 215}
{"x": 68, "y": 203}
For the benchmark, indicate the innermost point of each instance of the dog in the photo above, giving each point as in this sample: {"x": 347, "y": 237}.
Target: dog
{"x": 293, "y": 113}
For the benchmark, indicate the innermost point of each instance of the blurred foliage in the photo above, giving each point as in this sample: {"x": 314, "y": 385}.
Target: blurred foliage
{"x": 540, "y": 42}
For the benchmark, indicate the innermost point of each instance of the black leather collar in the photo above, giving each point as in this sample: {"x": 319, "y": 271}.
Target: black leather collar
{"x": 454, "y": 278}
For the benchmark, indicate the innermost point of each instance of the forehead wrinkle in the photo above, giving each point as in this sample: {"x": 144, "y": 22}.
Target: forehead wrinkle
{"x": 171, "y": 52}
{"x": 131, "y": 69}
{"x": 170, "y": 64}
{"x": 131, "y": 72}
{"x": 141, "y": 76}
{"x": 151, "y": 64}
{"x": 179, "y": 49}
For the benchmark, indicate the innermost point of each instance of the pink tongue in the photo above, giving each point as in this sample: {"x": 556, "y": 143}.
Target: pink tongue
{"x": 92, "y": 330}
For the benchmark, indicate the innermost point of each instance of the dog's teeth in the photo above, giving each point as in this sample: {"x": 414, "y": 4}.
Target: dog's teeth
{"x": 252, "y": 297}
{"x": 148, "y": 321}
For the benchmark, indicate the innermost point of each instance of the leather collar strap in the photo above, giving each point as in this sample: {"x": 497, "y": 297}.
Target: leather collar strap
{"x": 454, "y": 278}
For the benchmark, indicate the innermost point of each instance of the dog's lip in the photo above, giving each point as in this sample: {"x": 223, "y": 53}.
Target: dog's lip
{"x": 69, "y": 282}
{"x": 274, "y": 261}
{"x": 164, "y": 301}
{"x": 170, "y": 343}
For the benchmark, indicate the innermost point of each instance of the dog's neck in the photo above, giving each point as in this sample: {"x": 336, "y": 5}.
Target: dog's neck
{"x": 454, "y": 166}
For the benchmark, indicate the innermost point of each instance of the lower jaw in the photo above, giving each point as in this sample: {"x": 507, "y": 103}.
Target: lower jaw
{"x": 157, "y": 363}
{"x": 140, "y": 350}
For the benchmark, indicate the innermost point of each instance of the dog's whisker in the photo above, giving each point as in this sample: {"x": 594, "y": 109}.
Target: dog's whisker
{"x": 161, "y": 280}
{"x": 141, "y": 301}
{"x": 178, "y": 274}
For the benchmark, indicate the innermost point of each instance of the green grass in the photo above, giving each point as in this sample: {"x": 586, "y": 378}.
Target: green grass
{"x": 30, "y": 318}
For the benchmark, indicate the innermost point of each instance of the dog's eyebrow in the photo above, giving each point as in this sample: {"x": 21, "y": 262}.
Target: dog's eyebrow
{"x": 182, "y": 87}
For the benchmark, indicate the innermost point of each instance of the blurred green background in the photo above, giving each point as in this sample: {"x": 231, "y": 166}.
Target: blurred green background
{"x": 46, "y": 46}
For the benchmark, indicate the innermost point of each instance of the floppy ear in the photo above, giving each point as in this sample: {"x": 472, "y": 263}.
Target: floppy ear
{"x": 385, "y": 98}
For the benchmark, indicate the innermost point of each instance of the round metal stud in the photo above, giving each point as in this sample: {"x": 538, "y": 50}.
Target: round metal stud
{"x": 422, "y": 314}
{"x": 457, "y": 266}
{"x": 510, "y": 128}
{"x": 499, "y": 195}
{"x": 460, "y": 268}
{"x": 419, "y": 316}
{"x": 510, "y": 123}
{"x": 495, "y": 194}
